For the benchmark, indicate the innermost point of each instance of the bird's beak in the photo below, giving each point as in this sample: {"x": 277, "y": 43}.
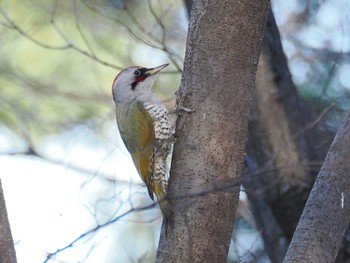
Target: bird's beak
{"x": 152, "y": 71}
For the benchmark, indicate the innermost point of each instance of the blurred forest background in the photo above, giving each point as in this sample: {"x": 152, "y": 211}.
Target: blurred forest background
{"x": 63, "y": 166}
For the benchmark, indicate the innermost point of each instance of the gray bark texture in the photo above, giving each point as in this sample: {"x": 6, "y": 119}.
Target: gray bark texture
{"x": 7, "y": 250}
{"x": 326, "y": 215}
{"x": 221, "y": 59}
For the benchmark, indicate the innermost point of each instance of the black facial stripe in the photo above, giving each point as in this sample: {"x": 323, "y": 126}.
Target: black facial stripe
{"x": 133, "y": 85}
{"x": 142, "y": 73}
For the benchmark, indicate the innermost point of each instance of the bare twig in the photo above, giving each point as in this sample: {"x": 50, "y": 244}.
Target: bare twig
{"x": 220, "y": 188}
{"x": 78, "y": 27}
{"x": 13, "y": 25}
{"x": 162, "y": 41}
{"x": 94, "y": 230}
{"x": 144, "y": 37}
{"x": 75, "y": 47}
{"x": 32, "y": 152}
{"x": 318, "y": 118}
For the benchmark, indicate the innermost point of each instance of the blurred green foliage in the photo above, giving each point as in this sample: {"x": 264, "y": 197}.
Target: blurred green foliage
{"x": 59, "y": 58}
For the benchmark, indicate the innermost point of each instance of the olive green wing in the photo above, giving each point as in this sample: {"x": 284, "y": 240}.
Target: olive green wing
{"x": 137, "y": 131}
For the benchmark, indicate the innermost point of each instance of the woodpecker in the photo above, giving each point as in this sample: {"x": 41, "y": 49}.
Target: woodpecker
{"x": 144, "y": 125}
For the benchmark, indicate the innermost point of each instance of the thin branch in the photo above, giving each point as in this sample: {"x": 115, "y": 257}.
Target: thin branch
{"x": 155, "y": 44}
{"x": 221, "y": 188}
{"x": 86, "y": 234}
{"x": 159, "y": 22}
{"x": 32, "y": 152}
{"x": 165, "y": 47}
{"x": 76, "y": 48}
{"x": 131, "y": 32}
{"x": 69, "y": 43}
{"x": 318, "y": 118}
{"x": 14, "y": 26}
{"x": 78, "y": 27}
{"x": 16, "y": 75}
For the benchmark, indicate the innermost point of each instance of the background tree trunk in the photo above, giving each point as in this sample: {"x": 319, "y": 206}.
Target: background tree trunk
{"x": 221, "y": 58}
{"x": 327, "y": 213}
{"x": 284, "y": 149}
{"x": 7, "y": 250}
{"x": 279, "y": 178}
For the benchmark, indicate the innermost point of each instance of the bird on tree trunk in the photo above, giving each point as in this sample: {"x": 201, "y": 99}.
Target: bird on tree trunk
{"x": 144, "y": 125}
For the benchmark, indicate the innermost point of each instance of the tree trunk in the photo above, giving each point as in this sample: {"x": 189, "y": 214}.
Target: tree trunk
{"x": 222, "y": 52}
{"x": 327, "y": 213}
{"x": 7, "y": 250}
{"x": 275, "y": 194}
{"x": 278, "y": 178}
{"x": 283, "y": 156}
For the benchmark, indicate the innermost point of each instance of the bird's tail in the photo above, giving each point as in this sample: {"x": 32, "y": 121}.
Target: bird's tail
{"x": 163, "y": 201}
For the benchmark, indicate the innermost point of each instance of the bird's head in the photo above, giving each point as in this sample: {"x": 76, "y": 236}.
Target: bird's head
{"x": 134, "y": 81}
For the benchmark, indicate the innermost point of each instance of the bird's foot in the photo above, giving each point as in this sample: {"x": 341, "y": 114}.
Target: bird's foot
{"x": 180, "y": 109}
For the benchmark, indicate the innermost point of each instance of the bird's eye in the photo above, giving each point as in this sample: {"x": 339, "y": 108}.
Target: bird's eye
{"x": 137, "y": 72}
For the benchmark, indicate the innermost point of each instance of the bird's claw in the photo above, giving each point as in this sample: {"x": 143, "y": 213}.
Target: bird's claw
{"x": 180, "y": 109}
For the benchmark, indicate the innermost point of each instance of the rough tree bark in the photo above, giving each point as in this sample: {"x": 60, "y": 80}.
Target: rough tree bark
{"x": 222, "y": 52}
{"x": 326, "y": 215}
{"x": 7, "y": 250}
